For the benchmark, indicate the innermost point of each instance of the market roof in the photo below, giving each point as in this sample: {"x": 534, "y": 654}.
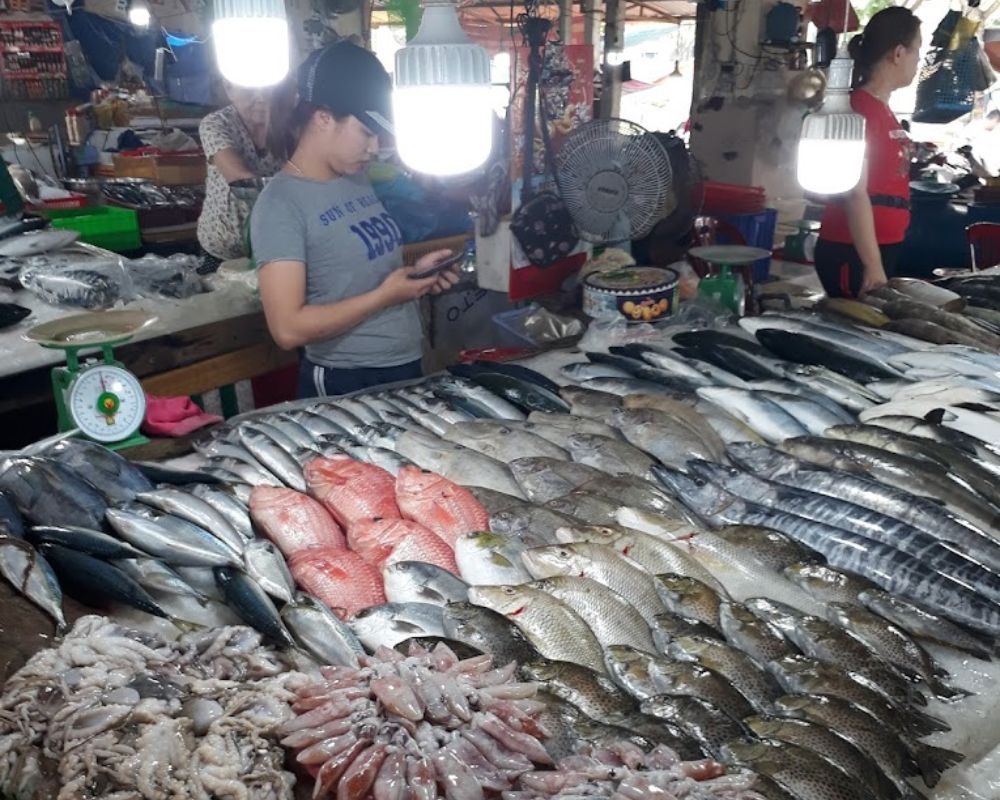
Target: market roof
{"x": 636, "y": 10}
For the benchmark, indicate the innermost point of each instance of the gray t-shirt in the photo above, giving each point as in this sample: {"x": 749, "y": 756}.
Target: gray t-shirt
{"x": 349, "y": 244}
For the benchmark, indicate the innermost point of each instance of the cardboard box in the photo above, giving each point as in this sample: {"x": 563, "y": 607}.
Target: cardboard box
{"x": 167, "y": 170}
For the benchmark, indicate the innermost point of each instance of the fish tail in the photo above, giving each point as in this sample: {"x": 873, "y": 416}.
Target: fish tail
{"x": 932, "y": 761}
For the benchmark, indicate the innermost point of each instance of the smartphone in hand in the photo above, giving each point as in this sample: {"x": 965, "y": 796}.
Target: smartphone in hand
{"x": 437, "y": 269}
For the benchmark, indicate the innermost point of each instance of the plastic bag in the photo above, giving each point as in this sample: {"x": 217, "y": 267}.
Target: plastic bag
{"x": 93, "y": 284}
{"x": 174, "y": 276}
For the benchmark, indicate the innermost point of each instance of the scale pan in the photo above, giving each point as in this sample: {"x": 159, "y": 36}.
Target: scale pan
{"x": 95, "y": 328}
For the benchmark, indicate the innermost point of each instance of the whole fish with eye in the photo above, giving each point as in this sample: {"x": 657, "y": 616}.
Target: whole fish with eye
{"x": 114, "y": 476}
{"x": 660, "y": 436}
{"x": 770, "y": 548}
{"x": 610, "y": 617}
{"x": 489, "y": 559}
{"x": 592, "y": 692}
{"x": 756, "y": 685}
{"x": 154, "y": 575}
{"x": 896, "y": 756}
{"x": 689, "y": 598}
{"x": 666, "y": 627}
{"x": 803, "y": 772}
{"x": 534, "y": 525}
{"x": 894, "y": 645}
{"x": 822, "y": 640}
{"x": 591, "y": 507}
{"x": 388, "y": 624}
{"x": 500, "y": 441}
{"x": 830, "y": 745}
{"x": 800, "y": 673}
{"x": 49, "y": 493}
{"x": 419, "y": 582}
{"x": 812, "y": 349}
{"x": 826, "y": 584}
{"x": 267, "y": 567}
{"x": 601, "y": 564}
{"x": 195, "y": 510}
{"x": 590, "y": 403}
{"x": 608, "y": 455}
{"x": 757, "y": 638}
{"x": 489, "y": 632}
{"x": 557, "y": 427}
{"x": 704, "y": 722}
{"x": 487, "y": 403}
{"x": 635, "y": 492}
{"x": 544, "y": 478}
{"x": 556, "y": 631}
{"x": 765, "y": 416}
{"x": 320, "y": 632}
{"x": 185, "y": 545}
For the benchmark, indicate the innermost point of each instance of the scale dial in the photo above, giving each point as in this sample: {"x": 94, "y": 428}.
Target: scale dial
{"x": 107, "y": 403}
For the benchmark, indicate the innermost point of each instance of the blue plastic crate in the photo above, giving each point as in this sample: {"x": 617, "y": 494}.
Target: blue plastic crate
{"x": 758, "y": 231}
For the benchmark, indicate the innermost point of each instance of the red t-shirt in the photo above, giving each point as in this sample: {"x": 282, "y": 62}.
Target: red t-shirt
{"x": 888, "y": 153}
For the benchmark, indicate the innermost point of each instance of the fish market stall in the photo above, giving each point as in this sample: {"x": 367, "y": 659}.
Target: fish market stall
{"x": 749, "y": 559}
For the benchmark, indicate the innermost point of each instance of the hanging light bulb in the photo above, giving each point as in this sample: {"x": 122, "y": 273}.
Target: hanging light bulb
{"x": 251, "y": 41}
{"x": 832, "y": 145}
{"x": 442, "y": 102}
{"x": 138, "y": 14}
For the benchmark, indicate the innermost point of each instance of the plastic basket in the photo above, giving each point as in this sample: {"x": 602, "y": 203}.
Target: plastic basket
{"x": 510, "y": 330}
{"x": 112, "y": 228}
{"x": 758, "y": 231}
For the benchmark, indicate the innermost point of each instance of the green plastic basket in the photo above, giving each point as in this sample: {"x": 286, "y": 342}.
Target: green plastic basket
{"x": 109, "y": 227}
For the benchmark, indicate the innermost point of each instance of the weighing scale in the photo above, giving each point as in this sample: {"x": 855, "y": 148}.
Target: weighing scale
{"x": 96, "y": 395}
{"x": 728, "y": 289}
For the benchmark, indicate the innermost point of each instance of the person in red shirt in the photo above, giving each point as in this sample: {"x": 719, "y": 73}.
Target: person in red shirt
{"x": 862, "y": 231}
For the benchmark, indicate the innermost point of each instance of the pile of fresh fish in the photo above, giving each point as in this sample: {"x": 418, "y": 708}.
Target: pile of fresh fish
{"x": 113, "y": 713}
{"x": 776, "y": 545}
{"x": 431, "y": 725}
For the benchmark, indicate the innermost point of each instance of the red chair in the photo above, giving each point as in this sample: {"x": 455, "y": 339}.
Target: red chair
{"x": 984, "y": 242}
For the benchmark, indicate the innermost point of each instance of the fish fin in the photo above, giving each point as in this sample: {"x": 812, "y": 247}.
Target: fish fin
{"x": 186, "y": 625}
{"x": 921, "y": 724}
{"x": 935, "y": 416}
{"x": 948, "y": 693}
{"x": 932, "y": 761}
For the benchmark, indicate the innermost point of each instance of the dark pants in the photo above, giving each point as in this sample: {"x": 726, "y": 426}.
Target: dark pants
{"x": 840, "y": 270}
{"x": 317, "y": 381}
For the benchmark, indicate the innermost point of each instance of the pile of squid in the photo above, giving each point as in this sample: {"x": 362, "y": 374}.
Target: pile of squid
{"x": 120, "y": 714}
{"x": 430, "y": 725}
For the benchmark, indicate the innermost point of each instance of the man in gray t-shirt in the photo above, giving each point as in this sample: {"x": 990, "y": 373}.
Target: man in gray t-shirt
{"x": 349, "y": 244}
{"x": 330, "y": 257}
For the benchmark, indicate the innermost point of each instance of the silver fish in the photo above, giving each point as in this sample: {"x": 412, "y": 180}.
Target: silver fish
{"x": 195, "y": 510}
{"x": 30, "y": 574}
{"x": 543, "y": 478}
{"x": 319, "y": 632}
{"x": 389, "y": 624}
{"x": 154, "y": 575}
{"x": 278, "y": 460}
{"x": 233, "y": 510}
{"x": 267, "y": 566}
{"x": 184, "y": 546}
{"x": 608, "y": 455}
{"x": 419, "y": 582}
{"x": 486, "y": 558}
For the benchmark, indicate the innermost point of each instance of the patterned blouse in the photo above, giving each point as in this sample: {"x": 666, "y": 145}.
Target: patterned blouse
{"x": 222, "y": 224}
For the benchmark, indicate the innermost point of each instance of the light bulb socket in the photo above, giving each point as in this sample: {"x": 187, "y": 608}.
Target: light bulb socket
{"x": 248, "y": 9}
{"x": 441, "y": 54}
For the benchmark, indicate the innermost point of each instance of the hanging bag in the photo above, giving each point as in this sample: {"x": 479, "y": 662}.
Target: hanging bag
{"x": 542, "y": 224}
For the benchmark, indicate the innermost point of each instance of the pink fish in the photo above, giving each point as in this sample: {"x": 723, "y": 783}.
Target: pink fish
{"x": 438, "y": 504}
{"x": 381, "y": 540}
{"x": 352, "y": 490}
{"x": 294, "y": 521}
{"x": 340, "y": 578}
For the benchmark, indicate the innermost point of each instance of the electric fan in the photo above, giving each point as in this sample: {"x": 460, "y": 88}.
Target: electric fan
{"x": 616, "y": 180}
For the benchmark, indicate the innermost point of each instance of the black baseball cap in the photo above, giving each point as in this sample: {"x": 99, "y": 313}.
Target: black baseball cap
{"x": 349, "y": 79}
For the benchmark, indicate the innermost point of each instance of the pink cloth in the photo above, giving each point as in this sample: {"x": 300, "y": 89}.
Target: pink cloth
{"x": 174, "y": 416}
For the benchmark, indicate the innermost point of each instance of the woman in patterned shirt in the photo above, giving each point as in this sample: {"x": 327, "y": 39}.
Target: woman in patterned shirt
{"x": 239, "y": 143}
